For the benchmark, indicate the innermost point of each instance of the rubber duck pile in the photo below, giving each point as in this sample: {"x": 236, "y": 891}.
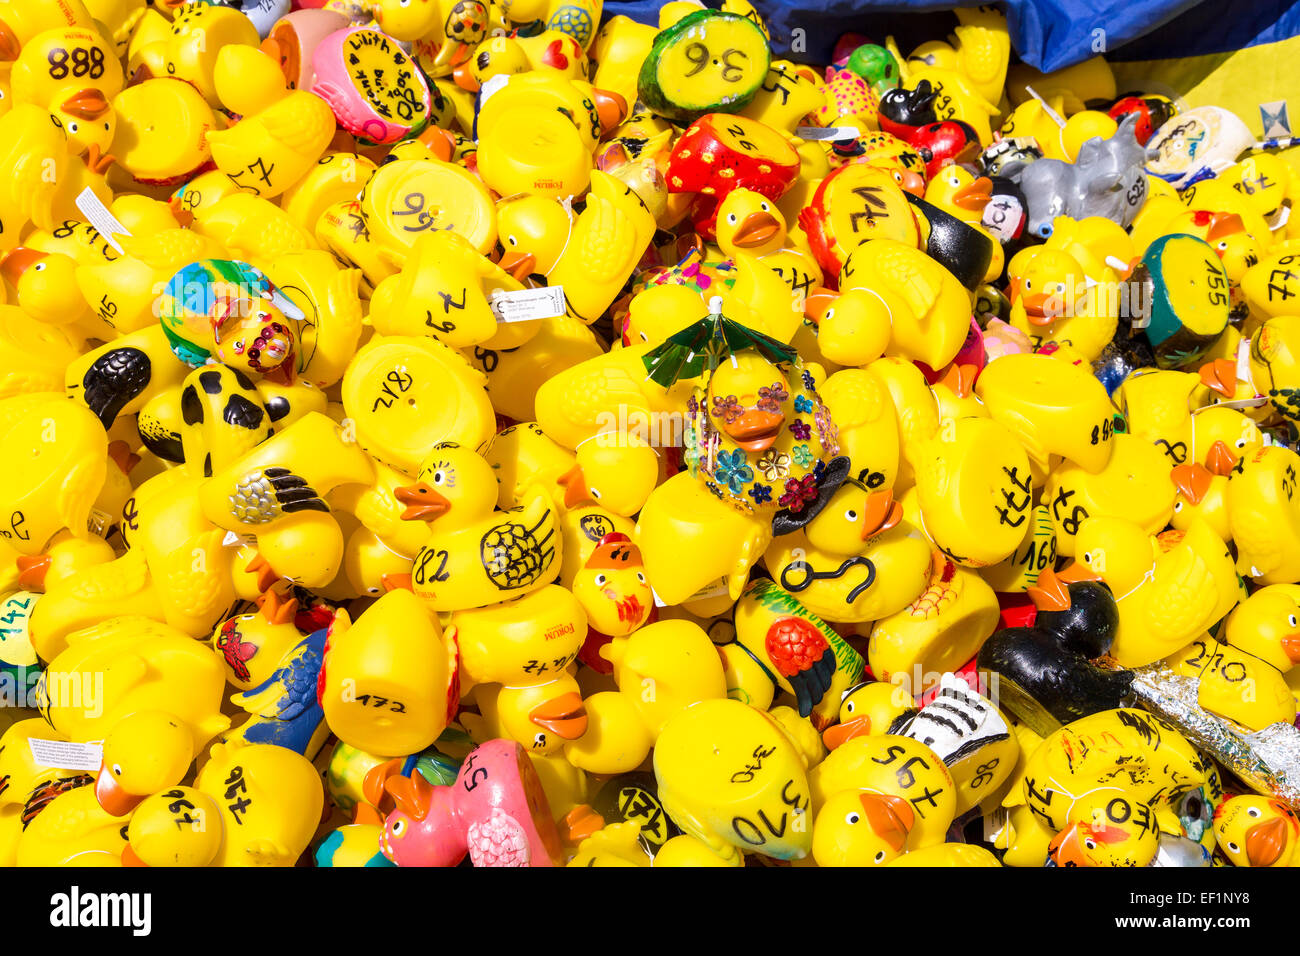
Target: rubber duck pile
{"x": 463, "y": 432}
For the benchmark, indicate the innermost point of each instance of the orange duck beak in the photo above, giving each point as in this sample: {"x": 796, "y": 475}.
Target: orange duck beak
{"x": 960, "y": 379}
{"x": 575, "y": 487}
{"x": 519, "y": 264}
{"x": 32, "y": 569}
{"x": 17, "y": 261}
{"x": 110, "y": 795}
{"x": 1076, "y": 571}
{"x": 10, "y": 46}
{"x": 1221, "y": 460}
{"x": 1192, "y": 481}
{"x": 1050, "y": 593}
{"x": 1064, "y": 848}
{"x": 423, "y": 503}
{"x": 565, "y": 716}
{"x": 890, "y": 817}
{"x": 1221, "y": 376}
{"x": 1265, "y": 842}
{"x": 974, "y": 196}
{"x": 87, "y": 104}
{"x": 838, "y": 734}
{"x": 881, "y": 513}
{"x": 817, "y": 301}
{"x": 129, "y": 857}
{"x": 611, "y": 108}
{"x": 755, "y": 430}
{"x": 756, "y": 229}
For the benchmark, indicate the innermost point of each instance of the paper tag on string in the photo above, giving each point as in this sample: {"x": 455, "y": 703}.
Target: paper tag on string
{"x": 525, "y": 305}
{"x": 821, "y": 134}
{"x": 66, "y": 755}
{"x": 1273, "y": 117}
{"x": 105, "y": 222}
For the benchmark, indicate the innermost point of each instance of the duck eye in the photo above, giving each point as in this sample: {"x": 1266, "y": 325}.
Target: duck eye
{"x": 1178, "y": 506}
{"x": 851, "y": 515}
{"x": 1028, "y": 284}
{"x": 539, "y": 740}
{"x": 105, "y": 126}
{"x": 732, "y": 219}
{"x": 830, "y": 314}
{"x": 640, "y": 577}
{"x": 1090, "y": 844}
{"x": 765, "y": 207}
{"x": 644, "y": 337}
{"x": 512, "y": 240}
{"x": 880, "y": 857}
{"x": 39, "y": 267}
{"x": 117, "y": 769}
{"x": 1241, "y": 443}
{"x": 1232, "y": 847}
{"x": 595, "y": 493}
{"x": 72, "y": 127}
{"x": 849, "y": 707}
{"x": 1087, "y": 557}
{"x": 439, "y": 477}
{"x": 1252, "y": 812}
{"x": 852, "y": 818}
{"x": 398, "y": 827}
{"x": 372, "y": 590}
{"x": 1291, "y": 620}
{"x": 600, "y": 580}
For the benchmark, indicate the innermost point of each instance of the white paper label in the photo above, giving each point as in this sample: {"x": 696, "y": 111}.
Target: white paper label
{"x": 99, "y": 522}
{"x": 526, "y": 305}
{"x": 97, "y": 215}
{"x": 233, "y": 540}
{"x": 66, "y": 755}
{"x": 821, "y": 134}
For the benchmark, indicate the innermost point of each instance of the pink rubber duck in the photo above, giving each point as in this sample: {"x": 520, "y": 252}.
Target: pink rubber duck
{"x": 495, "y": 811}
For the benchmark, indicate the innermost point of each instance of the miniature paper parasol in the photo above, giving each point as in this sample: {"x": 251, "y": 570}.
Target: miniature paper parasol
{"x": 703, "y": 346}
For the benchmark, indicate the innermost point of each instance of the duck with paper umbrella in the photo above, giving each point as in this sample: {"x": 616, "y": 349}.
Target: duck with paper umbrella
{"x": 757, "y": 433}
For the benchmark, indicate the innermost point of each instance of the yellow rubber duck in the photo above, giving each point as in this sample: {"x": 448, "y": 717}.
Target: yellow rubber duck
{"x": 863, "y": 411}
{"x": 1201, "y": 494}
{"x": 474, "y": 555}
{"x": 34, "y": 149}
{"x": 20, "y": 22}
{"x": 123, "y": 291}
{"x": 515, "y": 374}
{"x": 1054, "y": 301}
{"x": 1263, "y": 516}
{"x": 1158, "y": 407}
{"x": 1053, "y": 407}
{"x": 270, "y": 798}
{"x": 544, "y": 718}
{"x": 875, "y": 798}
{"x": 444, "y": 290}
{"x": 51, "y": 484}
{"x": 1168, "y": 590}
{"x": 519, "y": 643}
{"x": 928, "y": 308}
{"x": 695, "y": 546}
{"x": 329, "y": 298}
{"x": 20, "y": 773}
{"x": 1236, "y": 684}
{"x": 276, "y": 490}
{"x": 44, "y": 287}
{"x": 388, "y": 685}
{"x": 674, "y": 658}
{"x": 616, "y": 470}
{"x": 196, "y": 39}
{"x": 146, "y": 751}
{"x": 73, "y": 830}
{"x": 336, "y": 177}
{"x": 405, "y": 395}
{"x": 617, "y": 844}
{"x": 160, "y": 134}
{"x": 1257, "y": 831}
{"x": 940, "y": 630}
{"x": 282, "y": 132}
{"x": 888, "y": 571}
{"x": 590, "y": 254}
{"x": 1222, "y": 438}
{"x": 144, "y": 666}
{"x": 522, "y": 456}
{"x": 797, "y": 652}
{"x": 750, "y": 222}
{"x": 979, "y": 49}
{"x": 178, "y": 827}
{"x": 1100, "y": 781}
{"x": 975, "y": 490}
{"x": 726, "y": 745}
{"x": 1274, "y": 361}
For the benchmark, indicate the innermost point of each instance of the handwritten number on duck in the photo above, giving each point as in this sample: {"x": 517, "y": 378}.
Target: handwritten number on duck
{"x": 873, "y": 206}
{"x": 397, "y": 377}
{"x": 236, "y": 785}
{"x": 422, "y": 576}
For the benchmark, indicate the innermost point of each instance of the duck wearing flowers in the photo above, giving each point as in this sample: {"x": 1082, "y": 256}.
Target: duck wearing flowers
{"x": 757, "y": 434}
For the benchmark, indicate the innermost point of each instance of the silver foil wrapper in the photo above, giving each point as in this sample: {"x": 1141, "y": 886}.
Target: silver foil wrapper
{"x": 1267, "y": 760}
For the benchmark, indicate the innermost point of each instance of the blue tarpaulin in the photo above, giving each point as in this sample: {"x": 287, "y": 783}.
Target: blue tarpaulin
{"x": 1046, "y": 34}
